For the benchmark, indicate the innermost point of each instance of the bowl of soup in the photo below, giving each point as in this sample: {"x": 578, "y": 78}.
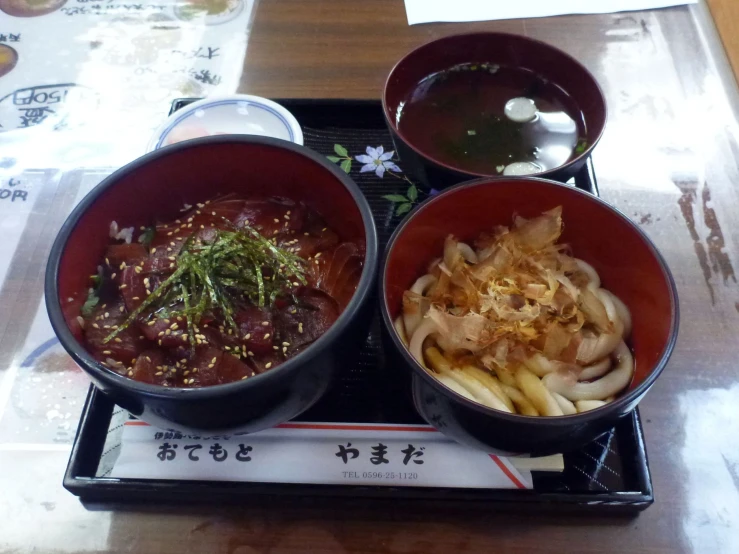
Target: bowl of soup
{"x": 492, "y": 105}
{"x": 219, "y": 284}
{"x": 530, "y": 315}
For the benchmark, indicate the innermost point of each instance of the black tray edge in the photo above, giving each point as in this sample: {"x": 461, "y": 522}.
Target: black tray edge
{"x": 80, "y": 480}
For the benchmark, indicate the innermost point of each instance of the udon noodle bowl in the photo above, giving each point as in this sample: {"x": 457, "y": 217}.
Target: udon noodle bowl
{"x": 515, "y": 322}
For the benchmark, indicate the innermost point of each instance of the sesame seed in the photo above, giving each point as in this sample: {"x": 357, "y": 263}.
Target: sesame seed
{"x": 169, "y": 234}
{"x": 250, "y": 353}
{"x": 184, "y": 336}
{"x": 107, "y": 261}
{"x": 107, "y": 352}
{"x": 300, "y": 327}
{"x": 286, "y": 216}
{"x": 142, "y": 228}
{"x": 121, "y": 309}
{"x": 277, "y": 220}
{"x": 275, "y": 348}
{"x": 137, "y": 269}
{"x": 113, "y": 275}
{"x": 172, "y": 259}
{"x": 161, "y": 334}
{"x": 160, "y": 342}
{"x": 186, "y": 372}
{"x": 130, "y": 373}
{"x": 296, "y": 284}
{"x": 317, "y": 255}
{"x": 248, "y": 336}
{"x": 214, "y": 359}
{"x": 135, "y": 298}
{"x": 266, "y": 336}
{"x": 284, "y": 349}
{"x": 183, "y": 361}
{"x": 158, "y": 373}
{"x": 117, "y": 340}
{"x": 244, "y": 377}
{"x": 96, "y": 326}
{"x": 211, "y": 366}
{"x": 268, "y": 365}
{"x": 153, "y": 250}
{"x": 324, "y": 228}
{"x": 153, "y": 322}
{"x": 168, "y": 332}
{"x": 285, "y": 344}
{"x": 265, "y": 323}
{"x": 189, "y": 225}
{"x": 106, "y": 314}
{"x": 123, "y": 286}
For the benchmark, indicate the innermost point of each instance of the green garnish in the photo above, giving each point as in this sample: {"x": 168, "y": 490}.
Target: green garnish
{"x": 93, "y": 294}
{"x": 239, "y": 267}
{"x": 90, "y": 303}
{"x": 147, "y": 236}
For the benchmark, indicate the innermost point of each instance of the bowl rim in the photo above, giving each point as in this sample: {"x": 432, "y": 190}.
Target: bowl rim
{"x": 80, "y": 354}
{"x": 472, "y": 174}
{"x": 176, "y": 118}
{"x": 554, "y": 421}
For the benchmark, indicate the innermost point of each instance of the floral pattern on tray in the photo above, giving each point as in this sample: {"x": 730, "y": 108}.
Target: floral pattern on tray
{"x": 380, "y": 162}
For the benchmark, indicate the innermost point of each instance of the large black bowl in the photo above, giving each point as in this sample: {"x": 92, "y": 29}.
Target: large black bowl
{"x": 626, "y": 260}
{"x": 155, "y": 187}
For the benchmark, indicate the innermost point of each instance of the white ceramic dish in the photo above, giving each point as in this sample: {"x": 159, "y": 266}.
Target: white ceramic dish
{"x": 240, "y": 114}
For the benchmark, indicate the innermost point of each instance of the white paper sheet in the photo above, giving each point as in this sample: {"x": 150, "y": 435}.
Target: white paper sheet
{"x": 320, "y": 453}
{"x": 428, "y": 11}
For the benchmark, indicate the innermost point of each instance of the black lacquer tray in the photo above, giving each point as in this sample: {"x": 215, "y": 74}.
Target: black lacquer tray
{"x": 610, "y": 474}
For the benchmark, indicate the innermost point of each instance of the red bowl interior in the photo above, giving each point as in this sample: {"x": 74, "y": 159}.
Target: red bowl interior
{"x": 627, "y": 262}
{"x": 503, "y": 49}
{"x": 156, "y": 187}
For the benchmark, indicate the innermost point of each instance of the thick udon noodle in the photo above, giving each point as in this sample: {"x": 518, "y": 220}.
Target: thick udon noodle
{"x": 519, "y": 325}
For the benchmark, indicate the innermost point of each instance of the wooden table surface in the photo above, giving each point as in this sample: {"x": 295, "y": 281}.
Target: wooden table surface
{"x": 668, "y": 160}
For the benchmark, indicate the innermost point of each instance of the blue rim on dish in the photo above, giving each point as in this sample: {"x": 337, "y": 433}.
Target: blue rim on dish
{"x": 287, "y": 120}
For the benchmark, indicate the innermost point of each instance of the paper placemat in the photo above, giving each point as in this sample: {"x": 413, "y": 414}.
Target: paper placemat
{"x": 431, "y": 11}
